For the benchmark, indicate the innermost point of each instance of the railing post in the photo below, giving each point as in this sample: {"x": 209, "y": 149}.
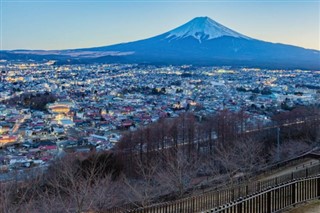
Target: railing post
{"x": 232, "y": 195}
{"x": 239, "y": 206}
{"x": 269, "y": 202}
{"x": 293, "y": 194}
{"x": 193, "y": 206}
{"x": 318, "y": 187}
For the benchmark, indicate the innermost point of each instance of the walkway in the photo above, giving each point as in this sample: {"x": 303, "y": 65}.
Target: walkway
{"x": 313, "y": 207}
{"x": 294, "y": 168}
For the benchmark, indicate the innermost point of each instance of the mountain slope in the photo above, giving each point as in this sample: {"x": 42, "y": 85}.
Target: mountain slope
{"x": 202, "y": 41}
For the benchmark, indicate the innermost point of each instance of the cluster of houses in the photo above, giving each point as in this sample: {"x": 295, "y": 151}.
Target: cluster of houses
{"x": 95, "y": 104}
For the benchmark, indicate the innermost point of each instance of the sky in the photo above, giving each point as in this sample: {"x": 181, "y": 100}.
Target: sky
{"x": 67, "y": 24}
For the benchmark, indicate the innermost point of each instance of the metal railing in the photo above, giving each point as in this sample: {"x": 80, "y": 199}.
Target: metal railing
{"x": 276, "y": 198}
{"x": 265, "y": 196}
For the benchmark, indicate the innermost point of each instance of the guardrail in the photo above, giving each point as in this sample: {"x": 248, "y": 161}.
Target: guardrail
{"x": 276, "y": 198}
{"x": 259, "y": 196}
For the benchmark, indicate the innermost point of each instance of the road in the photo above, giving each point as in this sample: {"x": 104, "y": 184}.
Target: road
{"x": 18, "y": 123}
{"x": 313, "y": 118}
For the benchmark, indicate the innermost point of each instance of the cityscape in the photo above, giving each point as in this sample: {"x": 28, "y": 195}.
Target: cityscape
{"x": 199, "y": 118}
{"x": 103, "y": 101}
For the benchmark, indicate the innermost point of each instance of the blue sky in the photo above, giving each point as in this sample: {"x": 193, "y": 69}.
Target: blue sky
{"x": 63, "y": 24}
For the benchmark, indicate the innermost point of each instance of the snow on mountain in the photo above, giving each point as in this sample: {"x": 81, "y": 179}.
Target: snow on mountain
{"x": 203, "y": 28}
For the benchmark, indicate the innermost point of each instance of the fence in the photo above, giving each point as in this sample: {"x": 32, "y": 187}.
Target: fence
{"x": 237, "y": 197}
{"x": 276, "y": 198}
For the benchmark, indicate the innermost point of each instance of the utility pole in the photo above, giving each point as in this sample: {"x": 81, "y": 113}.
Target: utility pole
{"x": 278, "y": 143}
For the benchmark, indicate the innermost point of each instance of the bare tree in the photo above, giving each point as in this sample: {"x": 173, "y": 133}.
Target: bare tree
{"x": 241, "y": 159}
{"x": 19, "y": 196}
{"x": 75, "y": 182}
{"x": 6, "y": 196}
{"x": 178, "y": 171}
{"x": 145, "y": 188}
{"x": 289, "y": 149}
{"x": 106, "y": 194}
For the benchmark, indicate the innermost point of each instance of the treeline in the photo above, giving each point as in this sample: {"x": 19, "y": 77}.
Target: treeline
{"x": 223, "y": 130}
{"x": 167, "y": 160}
{"x": 299, "y": 123}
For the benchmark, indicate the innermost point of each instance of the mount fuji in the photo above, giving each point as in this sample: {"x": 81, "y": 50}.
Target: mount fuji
{"x": 201, "y": 41}
{"x": 203, "y": 28}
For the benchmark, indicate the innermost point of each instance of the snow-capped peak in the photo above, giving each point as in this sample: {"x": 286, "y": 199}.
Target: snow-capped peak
{"x": 203, "y": 28}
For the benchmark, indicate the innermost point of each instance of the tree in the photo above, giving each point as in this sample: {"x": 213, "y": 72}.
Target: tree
{"x": 241, "y": 159}
{"x": 289, "y": 149}
{"x": 75, "y": 182}
{"x": 177, "y": 171}
{"x": 146, "y": 187}
{"x": 19, "y": 196}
